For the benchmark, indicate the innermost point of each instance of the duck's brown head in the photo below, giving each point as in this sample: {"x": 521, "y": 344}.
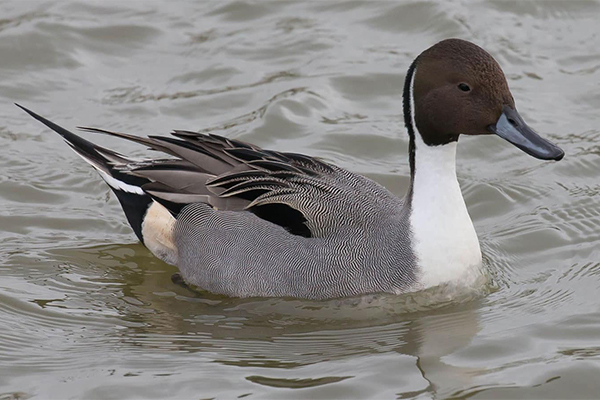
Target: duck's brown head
{"x": 455, "y": 87}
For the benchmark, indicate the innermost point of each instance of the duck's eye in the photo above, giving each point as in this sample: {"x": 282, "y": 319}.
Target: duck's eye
{"x": 464, "y": 87}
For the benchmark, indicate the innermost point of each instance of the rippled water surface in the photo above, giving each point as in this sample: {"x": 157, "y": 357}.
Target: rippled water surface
{"x": 88, "y": 312}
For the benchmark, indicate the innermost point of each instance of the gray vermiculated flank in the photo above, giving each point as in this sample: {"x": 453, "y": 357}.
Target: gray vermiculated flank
{"x": 360, "y": 244}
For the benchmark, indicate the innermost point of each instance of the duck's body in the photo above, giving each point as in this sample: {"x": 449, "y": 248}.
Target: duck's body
{"x": 242, "y": 221}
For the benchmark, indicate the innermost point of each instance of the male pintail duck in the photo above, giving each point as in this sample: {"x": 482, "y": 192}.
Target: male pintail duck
{"x": 243, "y": 221}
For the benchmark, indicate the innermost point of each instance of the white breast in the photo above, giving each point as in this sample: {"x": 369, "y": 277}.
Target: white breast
{"x": 444, "y": 239}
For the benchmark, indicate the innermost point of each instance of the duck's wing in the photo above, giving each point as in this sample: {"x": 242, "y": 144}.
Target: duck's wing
{"x": 305, "y": 195}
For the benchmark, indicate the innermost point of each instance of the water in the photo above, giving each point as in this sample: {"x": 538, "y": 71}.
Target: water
{"x": 87, "y": 312}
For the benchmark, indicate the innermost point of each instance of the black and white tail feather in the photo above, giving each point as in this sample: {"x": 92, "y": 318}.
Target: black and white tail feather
{"x": 114, "y": 168}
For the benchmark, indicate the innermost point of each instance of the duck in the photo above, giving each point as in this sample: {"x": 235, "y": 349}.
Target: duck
{"x": 242, "y": 221}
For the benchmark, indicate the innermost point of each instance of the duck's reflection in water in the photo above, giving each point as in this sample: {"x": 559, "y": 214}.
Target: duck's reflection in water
{"x": 419, "y": 330}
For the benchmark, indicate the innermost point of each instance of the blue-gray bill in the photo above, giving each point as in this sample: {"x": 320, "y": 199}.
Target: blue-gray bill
{"x": 511, "y": 127}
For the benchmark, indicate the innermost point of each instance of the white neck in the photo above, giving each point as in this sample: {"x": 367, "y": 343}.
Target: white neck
{"x": 444, "y": 239}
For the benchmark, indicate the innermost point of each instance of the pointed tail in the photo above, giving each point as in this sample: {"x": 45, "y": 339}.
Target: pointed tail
{"x": 113, "y": 168}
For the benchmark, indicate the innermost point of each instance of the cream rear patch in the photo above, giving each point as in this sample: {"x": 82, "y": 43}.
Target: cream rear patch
{"x": 157, "y": 230}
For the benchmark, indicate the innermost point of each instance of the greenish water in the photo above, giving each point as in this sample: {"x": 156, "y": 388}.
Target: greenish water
{"x": 87, "y": 312}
